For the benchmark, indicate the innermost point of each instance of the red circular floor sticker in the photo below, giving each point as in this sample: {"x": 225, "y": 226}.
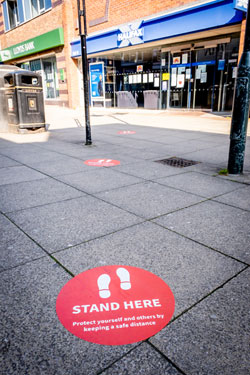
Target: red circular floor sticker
{"x": 115, "y": 305}
{"x": 102, "y": 162}
{"x": 126, "y": 132}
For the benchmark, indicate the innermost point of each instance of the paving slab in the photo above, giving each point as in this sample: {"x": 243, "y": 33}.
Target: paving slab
{"x": 215, "y": 225}
{"x": 149, "y": 199}
{"x": 151, "y": 170}
{"x": 215, "y": 155}
{"x": 7, "y": 162}
{"x": 15, "y": 247}
{"x": 40, "y": 156}
{"x": 99, "y": 179}
{"x": 192, "y": 271}
{"x": 243, "y": 178}
{"x": 65, "y": 165}
{"x": 34, "y": 193}
{"x": 213, "y": 337}
{"x": 21, "y": 147}
{"x": 15, "y": 174}
{"x": 140, "y": 155}
{"x": 240, "y": 199}
{"x": 143, "y": 360}
{"x": 200, "y": 184}
{"x": 35, "y": 340}
{"x": 185, "y": 147}
{"x": 59, "y": 225}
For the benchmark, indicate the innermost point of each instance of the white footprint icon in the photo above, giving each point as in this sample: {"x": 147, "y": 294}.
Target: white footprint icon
{"x": 124, "y": 277}
{"x": 103, "y": 285}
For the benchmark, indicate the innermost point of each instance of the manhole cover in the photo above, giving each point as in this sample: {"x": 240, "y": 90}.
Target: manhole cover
{"x": 177, "y": 162}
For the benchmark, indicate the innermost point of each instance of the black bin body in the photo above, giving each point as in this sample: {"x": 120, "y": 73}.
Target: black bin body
{"x": 24, "y": 100}
{"x": 4, "y": 69}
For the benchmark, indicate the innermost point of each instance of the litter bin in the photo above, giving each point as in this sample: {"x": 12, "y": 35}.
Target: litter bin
{"x": 151, "y": 99}
{"x": 4, "y": 69}
{"x": 24, "y": 101}
{"x": 125, "y": 99}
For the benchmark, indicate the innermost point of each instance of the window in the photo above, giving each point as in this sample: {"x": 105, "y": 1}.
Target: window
{"x": 18, "y": 11}
{"x": 13, "y": 13}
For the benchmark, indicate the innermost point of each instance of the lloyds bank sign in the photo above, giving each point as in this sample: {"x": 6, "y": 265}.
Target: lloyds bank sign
{"x": 130, "y": 34}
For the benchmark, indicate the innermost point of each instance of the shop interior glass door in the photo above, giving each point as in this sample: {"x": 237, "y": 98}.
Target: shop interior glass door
{"x": 50, "y": 78}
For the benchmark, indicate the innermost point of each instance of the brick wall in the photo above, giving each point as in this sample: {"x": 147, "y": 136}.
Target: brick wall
{"x": 122, "y": 11}
{"x": 61, "y": 15}
{"x": 50, "y": 20}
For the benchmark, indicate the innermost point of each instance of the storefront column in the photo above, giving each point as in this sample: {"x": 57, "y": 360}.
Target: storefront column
{"x": 221, "y": 80}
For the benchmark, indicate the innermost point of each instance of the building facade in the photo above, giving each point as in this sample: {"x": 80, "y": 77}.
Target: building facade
{"x": 146, "y": 53}
{"x": 36, "y": 35}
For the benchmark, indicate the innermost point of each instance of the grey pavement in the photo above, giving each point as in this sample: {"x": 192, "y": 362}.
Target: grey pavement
{"x": 189, "y": 226}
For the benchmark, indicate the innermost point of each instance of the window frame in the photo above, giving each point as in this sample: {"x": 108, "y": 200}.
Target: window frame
{"x": 16, "y": 16}
{"x": 20, "y": 5}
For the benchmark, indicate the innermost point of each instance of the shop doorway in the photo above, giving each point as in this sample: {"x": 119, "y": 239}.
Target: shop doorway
{"x": 50, "y": 78}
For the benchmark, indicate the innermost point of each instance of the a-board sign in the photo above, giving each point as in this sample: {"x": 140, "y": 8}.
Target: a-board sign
{"x": 102, "y": 162}
{"x": 115, "y": 305}
{"x": 126, "y": 132}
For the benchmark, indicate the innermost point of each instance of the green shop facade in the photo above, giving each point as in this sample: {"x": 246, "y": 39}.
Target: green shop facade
{"x": 39, "y": 54}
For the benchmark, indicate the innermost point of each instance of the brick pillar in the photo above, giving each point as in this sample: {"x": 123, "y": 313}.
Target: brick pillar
{"x": 69, "y": 20}
{"x": 242, "y": 38}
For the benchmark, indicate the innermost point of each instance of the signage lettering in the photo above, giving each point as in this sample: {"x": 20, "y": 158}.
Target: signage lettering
{"x": 241, "y": 5}
{"x": 130, "y": 34}
{"x": 98, "y": 304}
{"x": 23, "y": 48}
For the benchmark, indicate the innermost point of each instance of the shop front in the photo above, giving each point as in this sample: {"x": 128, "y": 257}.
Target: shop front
{"x": 186, "y": 58}
{"x": 39, "y": 55}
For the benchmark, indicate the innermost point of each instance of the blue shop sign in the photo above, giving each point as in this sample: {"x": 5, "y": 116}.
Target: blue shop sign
{"x": 241, "y": 5}
{"x": 130, "y": 35}
{"x": 208, "y": 62}
{"x": 76, "y": 48}
{"x": 206, "y": 16}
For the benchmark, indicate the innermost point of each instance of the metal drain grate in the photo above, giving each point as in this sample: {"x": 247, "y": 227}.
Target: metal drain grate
{"x": 177, "y": 162}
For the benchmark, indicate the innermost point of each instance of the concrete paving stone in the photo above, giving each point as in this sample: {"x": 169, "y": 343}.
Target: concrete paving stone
{"x": 176, "y": 133}
{"x": 149, "y": 199}
{"x": 99, "y": 179}
{"x": 7, "y": 162}
{"x": 19, "y": 148}
{"x": 200, "y": 184}
{"x": 65, "y": 165}
{"x": 191, "y": 270}
{"x": 242, "y": 178}
{"x": 215, "y": 225}
{"x": 34, "y": 193}
{"x": 40, "y": 156}
{"x": 122, "y": 157}
{"x": 15, "y": 246}
{"x": 223, "y": 139}
{"x": 142, "y": 154}
{"x": 184, "y": 147}
{"x": 149, "y": 170}
{"x": 38, "y": 343}
{"x": 215, "y": 155}
{"x": 143, "y": 360}
{"x": 15, "y": 174}
{"x": 142, "y": 144}
{"x": 59, "y": 225}
{"x": 240, "y": 199}
{"x": 3, "y": 142}
{"x": 213, "y": 337}
{"x": 206, "y": 168}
